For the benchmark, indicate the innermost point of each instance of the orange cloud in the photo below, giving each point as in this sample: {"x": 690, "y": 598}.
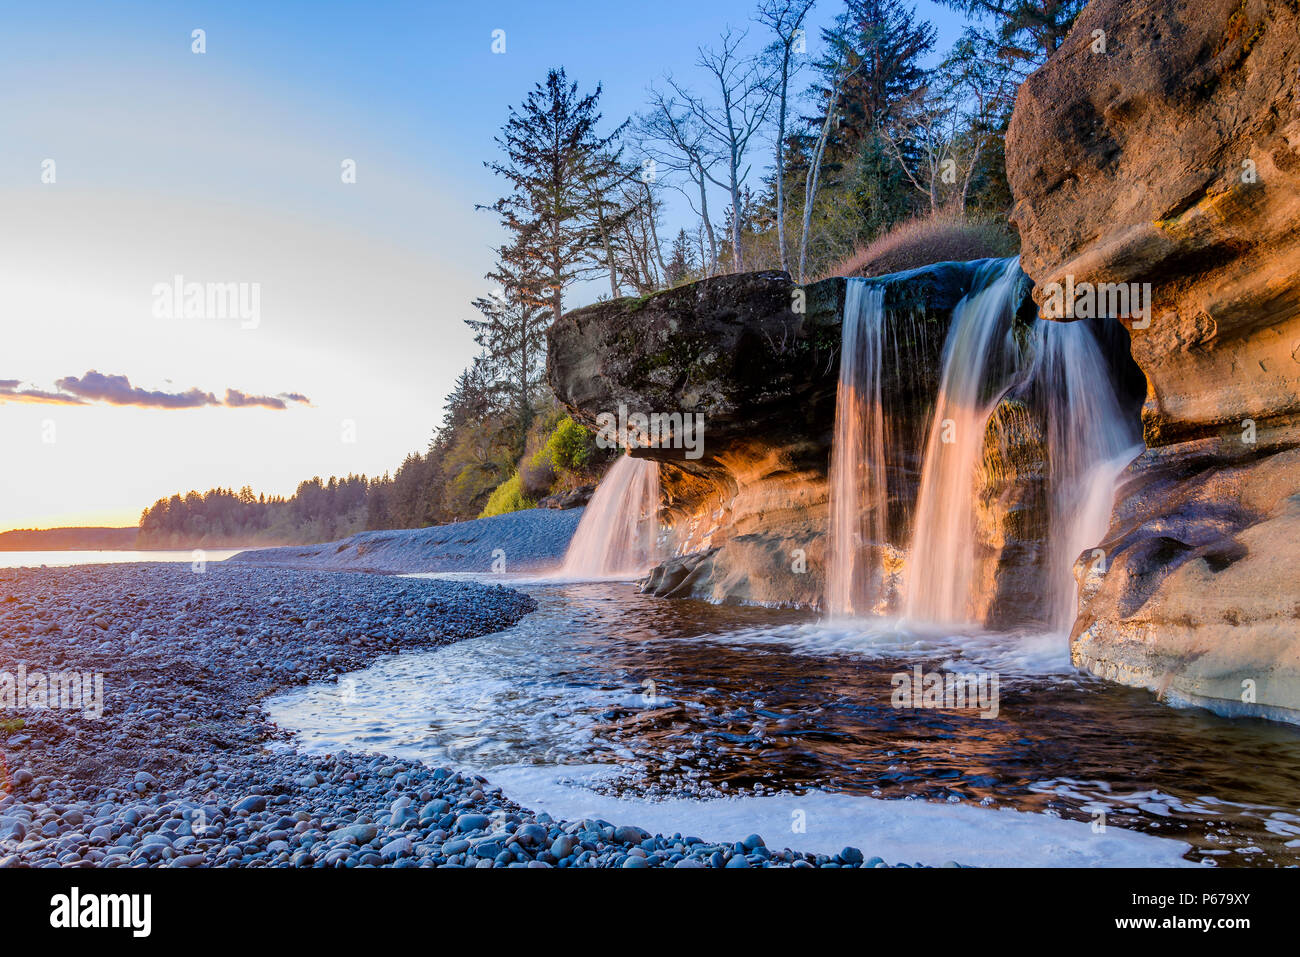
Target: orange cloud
{"x": 98, "y": 388}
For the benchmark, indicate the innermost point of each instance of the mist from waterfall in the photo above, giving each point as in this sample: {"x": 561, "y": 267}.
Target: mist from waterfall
{"x": 618, "y": 534}
{"x": 979, "y": 360}
{"x": 858, "y": 489}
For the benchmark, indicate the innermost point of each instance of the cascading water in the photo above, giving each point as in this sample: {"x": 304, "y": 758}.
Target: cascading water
{"x": 1089, "y": 442}
{"x": 617, "y": 537}
{"x": 858, "y": 491}
{"x": 1061, "y": 382}
{"x": 979, "y": 360}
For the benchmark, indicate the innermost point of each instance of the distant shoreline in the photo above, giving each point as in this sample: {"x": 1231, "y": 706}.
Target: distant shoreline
{"x": 107, "y": 539}
{"x": 5, "y": 549}
{"x": 70, "y": 539}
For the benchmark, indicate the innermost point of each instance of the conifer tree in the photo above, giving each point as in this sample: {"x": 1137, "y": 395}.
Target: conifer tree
{"x": 555, "y": 161}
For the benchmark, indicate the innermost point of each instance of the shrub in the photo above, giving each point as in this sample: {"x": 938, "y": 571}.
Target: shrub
{"x": 507, "y": 497}
{"x": 926, "y": 240}
{"x": 569, "y": 447}
{"x": 536, "y": 471}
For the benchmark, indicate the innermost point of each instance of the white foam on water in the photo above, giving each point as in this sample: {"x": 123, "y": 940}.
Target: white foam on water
{"x": 1010, "y": 653}
{"x": 1099, "y": 796}
{"x": 899, "y": 831}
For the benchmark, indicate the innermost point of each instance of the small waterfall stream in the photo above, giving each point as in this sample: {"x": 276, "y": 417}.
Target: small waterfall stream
{"x": 1089, "y": 442}
{"x": 1058, "y": 384}
{"x": 859, "y": 495}
{"x": 618, "y": 534}
{"x": 977, "y": 360}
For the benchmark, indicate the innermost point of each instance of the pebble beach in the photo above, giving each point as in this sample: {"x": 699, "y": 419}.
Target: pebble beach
{"x": 184, "y": 769}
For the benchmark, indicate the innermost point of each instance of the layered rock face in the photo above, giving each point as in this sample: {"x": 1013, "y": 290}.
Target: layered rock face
{"x": 1161, "y": 145}
{"x": 758, "y": 357}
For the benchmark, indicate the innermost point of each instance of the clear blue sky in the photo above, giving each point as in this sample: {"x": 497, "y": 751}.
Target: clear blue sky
{"x": 225, "y": 167}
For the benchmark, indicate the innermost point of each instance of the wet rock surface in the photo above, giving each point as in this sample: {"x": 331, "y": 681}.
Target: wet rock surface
{"x": 573, "y": 498}
{"x": 1197, "y": 594}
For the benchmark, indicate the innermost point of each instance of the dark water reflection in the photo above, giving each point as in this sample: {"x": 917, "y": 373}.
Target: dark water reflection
{"x": 691, "y": 699}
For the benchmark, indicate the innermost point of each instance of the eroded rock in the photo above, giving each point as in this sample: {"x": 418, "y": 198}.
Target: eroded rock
{"x": 759, "y": 357}
{"x": 1173, "y": 158}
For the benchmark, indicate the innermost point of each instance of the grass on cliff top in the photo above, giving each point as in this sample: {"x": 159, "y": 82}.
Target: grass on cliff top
{"x": 925, "y": 240}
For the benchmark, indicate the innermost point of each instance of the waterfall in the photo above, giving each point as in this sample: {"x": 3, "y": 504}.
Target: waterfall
{"x": 1063, "y": 378}
{"x": 858, "y": 493}
{"x": 617, "y": 537}
{"x": 979, "y": 360}
{"x": 1089, "y": 442}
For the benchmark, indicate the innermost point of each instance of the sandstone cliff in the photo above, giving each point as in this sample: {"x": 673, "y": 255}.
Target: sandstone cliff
{"x": 1161, "y": 145}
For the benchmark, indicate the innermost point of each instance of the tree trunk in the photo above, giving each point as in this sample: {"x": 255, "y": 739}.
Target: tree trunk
{"x": 654, "y": 231}
{"x": 737, "y": 259}
{"x": 609, "y": 260}
{"x": 708, "y": 226}
{"x": 780, "y": 161}
{"x": 609, "y": 247}
{"x": 810, "y": 185}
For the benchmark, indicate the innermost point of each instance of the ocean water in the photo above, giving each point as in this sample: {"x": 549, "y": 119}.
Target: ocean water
{"x": 64, "y": 559}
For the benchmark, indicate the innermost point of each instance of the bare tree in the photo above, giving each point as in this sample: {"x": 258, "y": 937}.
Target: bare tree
{"x": 672, "y": 140}
{"x": 641, "y": 228}
{"x": 983, "y": 92}
{"x": 922, "y": 142}
{"x": 607, "y": 215}
{"x": 745, "y": 99}
{"x": 650, "y": 210}
{"x": 624, "y": 214}
{"x": 940, "y": 137}
{"x": 638, "y": 264}
{"x": 785, "y": 19}
{"x": 843, "y": 70}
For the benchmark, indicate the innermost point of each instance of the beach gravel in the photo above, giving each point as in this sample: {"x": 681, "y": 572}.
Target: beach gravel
{"x": 183, "y": 768}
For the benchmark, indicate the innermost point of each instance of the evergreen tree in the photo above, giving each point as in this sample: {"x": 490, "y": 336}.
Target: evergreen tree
{"x": 512, "y": 332}
{"x": 681, "y": 259}
{"x": 882, "y": 45}
{"x": 553, "y": 155}
{"x": 1022, "y": 34}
